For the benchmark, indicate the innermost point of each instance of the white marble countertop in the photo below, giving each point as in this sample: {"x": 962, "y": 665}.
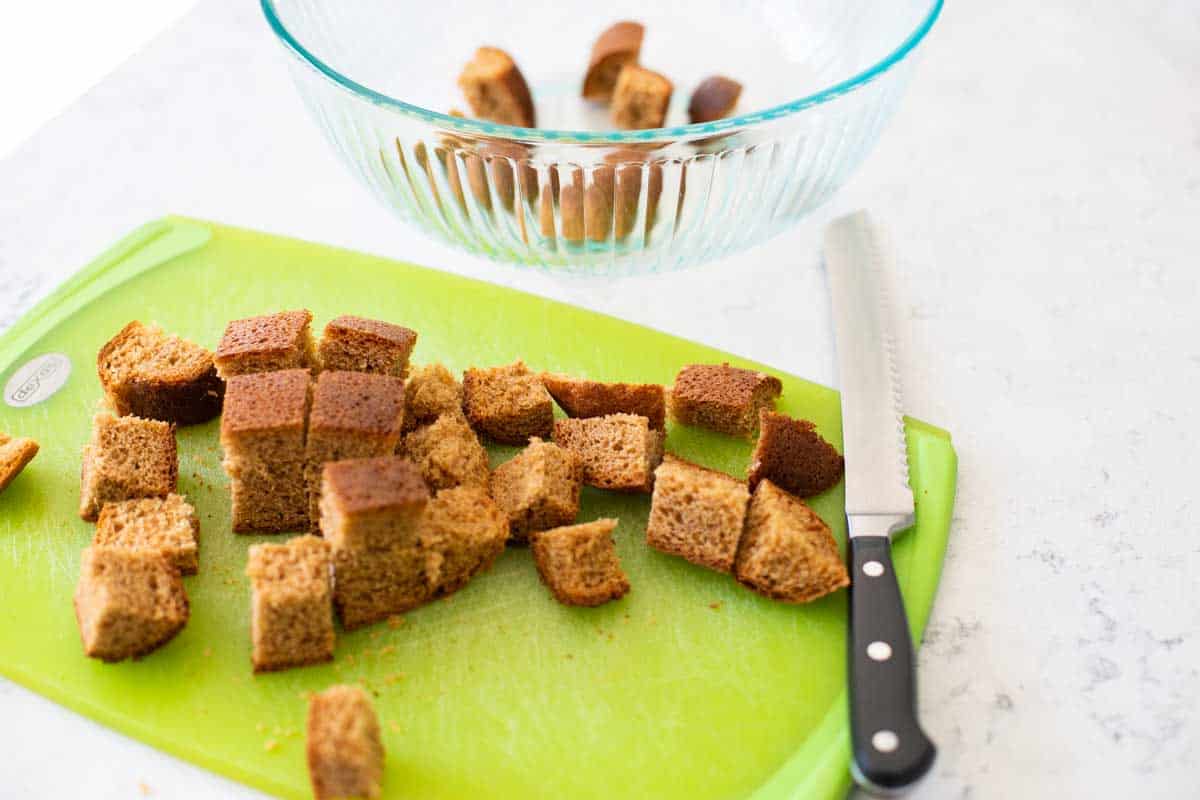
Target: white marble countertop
{"x": 1042, "y": 182}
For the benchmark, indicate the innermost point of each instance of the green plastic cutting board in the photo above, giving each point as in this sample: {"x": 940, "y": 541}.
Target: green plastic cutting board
{"x": 690, "y": 687}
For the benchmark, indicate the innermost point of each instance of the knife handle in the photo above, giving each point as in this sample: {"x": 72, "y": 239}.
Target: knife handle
{"x": 890, "y": 751}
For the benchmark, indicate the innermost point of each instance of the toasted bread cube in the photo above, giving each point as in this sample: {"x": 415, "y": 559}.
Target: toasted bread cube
{"x": 344, "y": 747}
{"x": 723, "y": 398}
{"x": 166, "y": 525}
{"x": 788, "y": 553}
{"x": 448, "y": 453}
{"x": 291, "y": 618}
{"x": 496, "y": 90}
{"x": 715, "y": 98}
{"x": 508, "y": 404}
{"x": 262, "y": 435}
{"x": 618, "y": 45}
{"x": 431, "y": 392}
{"x": 147, "y": 373}
{"x": 266, "y": 344}
{"x": 793, "y": 456}
{"x": 354, "y": 415}
{"x": 465, "y": 531}
{"x": 619, "y": 451}
{"x": 583, "y": 398}
{"x": 640, "y": 98}
{"x": 696, "y": 513}
{"x": 579, "y": 563}
{"x": 15, "y": 454}
{"x": 372, "y": 503}
{"x": 372, "y": 585}
{"x": 539, "y": 488}
{"x": 127, "y": 457}
{"x": 354, "y": 344}
{"x": 128, "y": 602}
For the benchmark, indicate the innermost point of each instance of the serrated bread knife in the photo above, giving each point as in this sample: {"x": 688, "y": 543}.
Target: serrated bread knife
{"x": 890, "y": 751}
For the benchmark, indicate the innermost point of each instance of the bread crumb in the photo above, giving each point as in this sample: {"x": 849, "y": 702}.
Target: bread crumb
{"x": 394, "y": 726}
{"x": 270, "y": 744}
{"x": 395, "y": 622}
{"x": 207, "y": 652}
{"x": 716, "y": 606}
{"x": 387, "y": 649}
{"x": 144, "y": 789}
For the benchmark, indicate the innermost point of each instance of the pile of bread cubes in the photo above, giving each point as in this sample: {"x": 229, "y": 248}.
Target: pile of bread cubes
{"x": 383, "y": 471}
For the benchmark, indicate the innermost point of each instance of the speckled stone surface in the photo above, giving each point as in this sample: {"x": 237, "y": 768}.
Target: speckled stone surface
{"x": 1042, "y": 183}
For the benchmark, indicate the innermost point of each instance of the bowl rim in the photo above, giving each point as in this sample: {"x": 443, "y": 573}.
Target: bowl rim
{"x": 649, "y": 135}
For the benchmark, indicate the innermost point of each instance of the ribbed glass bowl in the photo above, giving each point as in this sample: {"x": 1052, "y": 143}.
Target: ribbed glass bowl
{"x": 821, "y": 77}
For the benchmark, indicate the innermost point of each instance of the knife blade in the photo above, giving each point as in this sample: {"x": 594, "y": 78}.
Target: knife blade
{"x": 890, "y": 751}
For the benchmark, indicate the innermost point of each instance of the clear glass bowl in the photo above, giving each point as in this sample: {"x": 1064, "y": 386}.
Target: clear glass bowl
{"x": 821, "y": 77}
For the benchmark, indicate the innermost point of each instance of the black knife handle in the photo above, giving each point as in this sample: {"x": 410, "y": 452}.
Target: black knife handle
{"x": 890, "y": 751}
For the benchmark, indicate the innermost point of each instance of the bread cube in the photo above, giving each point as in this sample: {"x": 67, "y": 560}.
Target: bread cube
{"x": 344, "y": 748}
{"x": 431, "y": 392}
{"x": 640, "y": 98}
{"x": 793, "y": 456}
{"x": 715, "y": 98}
{"x": 788, "y": 553}
{"x": 128, "y": 602}
{"x": 165, "y": 525}
{"x": 583, "y": 398}
{"x": 723, "y": 398}
{"x": 262, "y": 435}
{"x": 15, "y": 454}
{"x": 696, "y": 513}
{"x": 291, "y": 622}
{"x": 372, "y": 503}
{"x": 465, "y": 531}
{"x": 619, "y": 451}
{"x": 126, "y": 458}
{"x": 539, "y": 488}
{"x": 617, "y": 46}
{"x": 354, "y": 344}
{"x": 508, "y": 404}
{"x": 448, "y": 453}
{"x": 496, "y": 90}
{"x": 147, "y": 373}
{"x": 372, "y": 585}
{"x": 266, "y": 344}
{"x": 579, "y": 563}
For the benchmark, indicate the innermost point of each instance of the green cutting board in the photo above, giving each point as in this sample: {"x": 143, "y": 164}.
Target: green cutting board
{"x": 689, "y": 687}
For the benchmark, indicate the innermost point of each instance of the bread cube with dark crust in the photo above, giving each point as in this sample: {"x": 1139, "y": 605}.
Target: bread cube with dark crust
{"x": 371, "y": 585}
{"x": 166, "y": 525}
{"x": 354, "y": 415}
{"x": 126, "y": 458}
{"x": 697, "y": 513}
{"x": 787, "y": 552}
{"x": 343, "y": 745}
{"x": 291, "y": 617}
{"x": 15, "y": 454}
{"x": 496, "y": 90}
{"x": 618, "y": 45}
{"x": 128, "y": 602}
{"x": 148, "y": 373}
{"x": 262, "y": 436}
{"x": 372, "y": 503}
{"x": 508, "y": 404}
{"x": 579, "y": 563}
{"x": 465, "y": 531}
{"x": 448, "y": 453}
{"x": 266, "y": 344}
{"x": 793, "y": 456}
{"x": 539, "y": 488}
{"x": 618, "y": 451}
{"x": 355, "y": 344}
{"x": 640, "y": 98}
{"x": 431, "y": 391}
{"x": 723, "y": 398}
{"x": 715, "y": 98}
{"x": 580, "y": 397}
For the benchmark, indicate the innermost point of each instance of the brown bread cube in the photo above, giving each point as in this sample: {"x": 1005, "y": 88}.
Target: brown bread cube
{"x": 165, "y": 525}
{"x": 618, "y": 451}
{"x": 617, "y": 46}
{"x": 15, "y": 453}
{"x": 431, "y": 392}
{"x": 715, "y": 98}
{"x": 354, "y": 415}
{"x": 128, "y": 602}
{"x": 291, "y": 618}
{"x": 354, "y": 344}
{"x": 147, "y": 373}
{"x": 464, "y": 531}
{"x": 372, "y": 503}
{"x": 579, "y": 563}
{"x": 343, "y": 745}
{"x": 580, "y": 397}
{"x": 496, "y": 90}
{"x": 722, "y": 398}
{"x": 697, "y": 513}
{"x": 262, "y": 435}
{"x": 539, "y": 488}
{"x": 372, "y": 585}
{"x": 508, "y": 404}
{"x": 640, "y": 98}
{"x": 127, "y": 457}
{"x": 448, "y": 453}
{"x": 793, "y": 456}
{"x": 787, "y": 552}
{"x": 266, "y": 344}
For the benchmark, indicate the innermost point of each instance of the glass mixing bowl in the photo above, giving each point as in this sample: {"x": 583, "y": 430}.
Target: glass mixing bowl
{"x": 821, "y": 78}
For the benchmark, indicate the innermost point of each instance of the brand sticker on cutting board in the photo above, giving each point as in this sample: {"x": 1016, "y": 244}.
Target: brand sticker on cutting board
{"x": 37, "y": 380}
